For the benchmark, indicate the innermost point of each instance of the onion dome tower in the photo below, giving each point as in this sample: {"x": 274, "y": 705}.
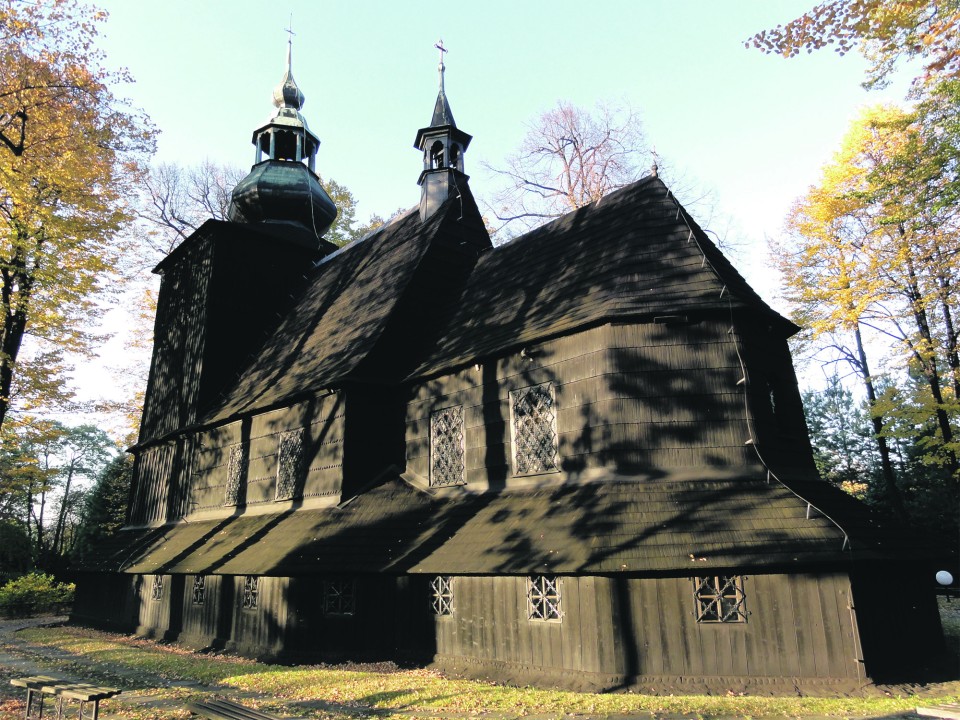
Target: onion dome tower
{"x": 282, "y": 190}
{"x": 443, "y": 145}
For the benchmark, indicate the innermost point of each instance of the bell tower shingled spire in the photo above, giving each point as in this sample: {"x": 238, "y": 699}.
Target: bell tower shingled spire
{"x": 443, "y": 145}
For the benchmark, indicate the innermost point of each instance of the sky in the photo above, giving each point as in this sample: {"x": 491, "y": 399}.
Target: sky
{"x": 754, "y": 129}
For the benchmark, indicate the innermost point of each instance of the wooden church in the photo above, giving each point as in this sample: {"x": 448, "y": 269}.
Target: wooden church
{"x": 578, "y": 458}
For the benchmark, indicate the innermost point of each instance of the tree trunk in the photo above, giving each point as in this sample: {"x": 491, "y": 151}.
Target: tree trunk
{"x": 57, "y": 544}
{"x": 891, "y": 490}
{"x": 928, "y": 363}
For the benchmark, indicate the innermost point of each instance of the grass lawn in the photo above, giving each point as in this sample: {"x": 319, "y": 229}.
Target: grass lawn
{"x": 139, "y": 667}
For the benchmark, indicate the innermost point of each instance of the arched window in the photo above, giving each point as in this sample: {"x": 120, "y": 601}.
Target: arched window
{"x": 436, "y": 156}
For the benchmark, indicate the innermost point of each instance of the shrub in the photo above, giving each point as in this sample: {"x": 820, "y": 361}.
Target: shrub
{"x": 34, "y": 593}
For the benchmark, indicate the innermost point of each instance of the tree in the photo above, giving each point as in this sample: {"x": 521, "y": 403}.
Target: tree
{"x": 874, "y": 254}
{"x": 63, "y": 200}
{"x": 104, "y": 512}
{"x": 842, "y": 440}
{"x": 48, "y": 462}
{"x": 884, "y": 32}
{"x": 570, "y": 157}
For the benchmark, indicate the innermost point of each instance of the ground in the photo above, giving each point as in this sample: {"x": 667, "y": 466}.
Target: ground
{"x": 158, "y": 680}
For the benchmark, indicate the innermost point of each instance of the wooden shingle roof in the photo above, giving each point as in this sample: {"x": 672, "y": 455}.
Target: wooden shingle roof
{"x": 614, "y": 526}
{"x": 635, "y": 253}
{"x": 339, "y": 318}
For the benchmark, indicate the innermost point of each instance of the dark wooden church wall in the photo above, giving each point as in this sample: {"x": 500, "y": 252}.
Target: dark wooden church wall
{"x": 320, "y": 419}
{"x": 774, "y": 396}
{"x": 172, "y": 392}
{"x": 798, "y": 626}
{"x": 109, "y": 601}
{"x": 671, "y": 398}
{"x": 152, "y": 473}
{"x": 638, "y": 398}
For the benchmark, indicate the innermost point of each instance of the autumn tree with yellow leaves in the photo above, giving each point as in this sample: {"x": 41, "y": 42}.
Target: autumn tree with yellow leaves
{"x": 64, "y": 197}
{"x": 872, "y": 269}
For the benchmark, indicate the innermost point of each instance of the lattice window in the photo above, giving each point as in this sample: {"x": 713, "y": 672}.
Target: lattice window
{"x": 543, "y": 598}
{"x": 289, "y": 464}
{"x": 338, "y": 597}
{"x": 447, "y": 447}
{"x": 156, "y": 590}
{"x": 720, "y": 598}
{"x": 534, "y": 419}
{"x": 251, "y": 592}
{"x": 441, "y": 595}
{"x": 199, "y": 589}
{"x": 236, "y": 471}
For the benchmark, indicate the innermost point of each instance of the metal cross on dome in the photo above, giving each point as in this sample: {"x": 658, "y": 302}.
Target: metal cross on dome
{"x": 441, "y": 67}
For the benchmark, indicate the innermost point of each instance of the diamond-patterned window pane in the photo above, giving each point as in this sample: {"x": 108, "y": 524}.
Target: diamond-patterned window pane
{"x": 236, "y": 470}
{"x": 289, "y": 464}
{"x": 447, "y": 447}
{"x": 251, "y": 592}
{"x": 543, "y": 598}
{"x": 441, "y": 595}
{"x": 720, "y": 598}
{"x": 338, "y": 597}
{"x": 199, "y": 589}
{"x": 156, "y": 590}
{"x": 534, "y": 430}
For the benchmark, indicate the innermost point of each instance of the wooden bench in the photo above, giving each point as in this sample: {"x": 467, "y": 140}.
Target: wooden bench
{"x": 226, "y": 710}
{"x": 60, "y": 689}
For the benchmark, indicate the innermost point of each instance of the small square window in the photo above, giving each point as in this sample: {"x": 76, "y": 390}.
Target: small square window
{"x": 199, "y": 589}
{"x": 338, "y": 597}
{"x": 543, "y": 598}
{"x": 441, "y": 595}
{"x": 447, "y": 447}
{"x": 236, "y": 472}
{"x": 251, "y": 592}
{"x": 289, "y": 464}
{"x": 533, "y": 413}
{"x": 720, "y": 598}
{"x": 156, "y": 590}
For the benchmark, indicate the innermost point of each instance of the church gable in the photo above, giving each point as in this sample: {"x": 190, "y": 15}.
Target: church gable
{"x": 633, "y": 254}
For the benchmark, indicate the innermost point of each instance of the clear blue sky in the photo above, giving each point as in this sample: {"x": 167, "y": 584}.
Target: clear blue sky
{"x": 754, "y": 128}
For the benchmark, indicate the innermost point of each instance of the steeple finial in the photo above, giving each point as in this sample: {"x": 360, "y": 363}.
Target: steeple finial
{"x": 441, "y": 67}
{"x": 287, "y": 93}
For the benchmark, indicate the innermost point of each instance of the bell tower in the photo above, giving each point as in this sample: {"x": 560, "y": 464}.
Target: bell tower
{"x": 282, "y": 191}
{"x": 443, "y": 145}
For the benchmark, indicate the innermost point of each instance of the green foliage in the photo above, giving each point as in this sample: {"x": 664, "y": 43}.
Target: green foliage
{"x": 34, "y": 593}
{"x": 105, "y": 510}
{"x": 843, "y": 445}
{"x": 15, "y": 553}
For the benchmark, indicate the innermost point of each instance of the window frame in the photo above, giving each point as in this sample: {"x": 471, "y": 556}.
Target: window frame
{"x": 250, "y": 595}
{"x": 199, "y": 596}
{"x": 294, "y": 465}
{"x": 237, "y": 464}
{"x": 156, "y": 588}
{"x": 341, "y": 592}
{"x": 545, "y": 598}
{"x": 442, "y": 595}
{"x": 433, "y": 480}
{"x": 720, "y": 599}
{"x": 515, "y": 395}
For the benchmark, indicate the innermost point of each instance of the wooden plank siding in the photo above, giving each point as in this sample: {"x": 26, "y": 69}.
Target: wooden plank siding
{"x": 797, "y": 625}
{"x": 647, "y": 627}
{"x": 198, "y": 467}
{"x": 637, "y": 397}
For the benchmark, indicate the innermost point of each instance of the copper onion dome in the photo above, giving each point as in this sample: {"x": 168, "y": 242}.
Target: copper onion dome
{"x": 281, "y": 189}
